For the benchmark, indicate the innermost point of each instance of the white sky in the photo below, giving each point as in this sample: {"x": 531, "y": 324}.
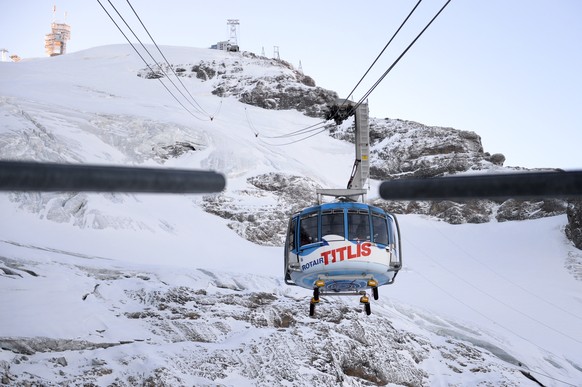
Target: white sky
{"x": 508, "y": 70}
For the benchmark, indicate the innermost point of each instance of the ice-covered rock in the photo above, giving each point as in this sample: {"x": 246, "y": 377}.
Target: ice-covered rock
{"x": 402, "y": 149}
{"x": 574, "y": 227}
{"x": 280, "y": 196}
{"x": 255, "y": 80}
{"x": 222, "y": 329}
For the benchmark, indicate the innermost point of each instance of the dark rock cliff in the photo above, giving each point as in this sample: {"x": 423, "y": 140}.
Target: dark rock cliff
{"x": 574, "y": 227}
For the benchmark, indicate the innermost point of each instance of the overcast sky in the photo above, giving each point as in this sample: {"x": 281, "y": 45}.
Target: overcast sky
{"x": 510, "y": 70}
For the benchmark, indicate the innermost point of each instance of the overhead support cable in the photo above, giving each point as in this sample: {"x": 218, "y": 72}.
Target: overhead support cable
{"x": 146, "y": 63}
{"x": 201, "y": 109}
{"x": 251, "y": 126}
{"x": 306, "y": 132}
{"x": 155, "y": 61}
{"x": 400, "y": 57}
{"x": 384, "y": 49}
{"x": 296, "y": 141}
{"x": 308, "y": 129}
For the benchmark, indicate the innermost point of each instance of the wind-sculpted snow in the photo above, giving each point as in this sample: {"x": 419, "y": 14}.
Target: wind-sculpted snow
{"x": 34, "y": 131}
{"x": 81, "y": 209}
{"x": 143, "y": 139}
{"x": 49, "y": 133}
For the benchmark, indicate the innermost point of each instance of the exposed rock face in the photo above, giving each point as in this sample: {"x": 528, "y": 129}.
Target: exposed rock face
{"x": 280, "y": 87}
{"x": 475, "y": 211}
{"x": 512, "y": 209}
{"x": 409, "y": 149}
{"x": 401, "y": 149}
{"x": 574, "y": 227}
{"x": 266, "y": 224}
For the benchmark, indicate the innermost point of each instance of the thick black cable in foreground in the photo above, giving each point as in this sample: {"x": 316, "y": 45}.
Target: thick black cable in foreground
{"x": 32, "y": 176}
{"x": 528, "y": 185}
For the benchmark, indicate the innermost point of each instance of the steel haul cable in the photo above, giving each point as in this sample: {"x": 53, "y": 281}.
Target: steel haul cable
{"x": 155, "y": 61}
{"x": 400, "y": 57}
{"x": 367, "y": 94}
{"x": 385, "y": 47}
{"x": 201, "y": 109}
{"x": 146, "y": 63}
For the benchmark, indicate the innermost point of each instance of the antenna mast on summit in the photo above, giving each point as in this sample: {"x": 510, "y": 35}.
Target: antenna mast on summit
{"x": 276, "y": 53}
{"x": 232, "y": 38}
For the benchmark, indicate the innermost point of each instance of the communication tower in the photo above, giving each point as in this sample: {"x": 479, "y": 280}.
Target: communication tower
{"x": 55, "y": 42}
{"x": 232, "y": 39}
{"x": 276, "y": 52}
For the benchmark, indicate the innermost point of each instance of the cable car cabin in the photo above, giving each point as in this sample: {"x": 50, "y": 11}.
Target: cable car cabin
{"x": 342, "y": 249}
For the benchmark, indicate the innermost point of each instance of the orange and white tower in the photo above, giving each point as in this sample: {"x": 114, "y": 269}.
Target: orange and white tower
{"x": 55, "y": 43}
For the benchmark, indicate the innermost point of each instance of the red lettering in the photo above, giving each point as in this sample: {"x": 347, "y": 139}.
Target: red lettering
{"x": 346, "y": 252}
{"x": 366, "y": 249}
{"x": 325, "y": 255}
{"x": 341, "y": 251}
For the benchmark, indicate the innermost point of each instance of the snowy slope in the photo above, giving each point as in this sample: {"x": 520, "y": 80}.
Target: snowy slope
{"x": 136, "y": 289}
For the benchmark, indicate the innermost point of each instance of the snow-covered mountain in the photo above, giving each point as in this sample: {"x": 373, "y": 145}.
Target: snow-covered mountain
{"x": 124, "y": 290}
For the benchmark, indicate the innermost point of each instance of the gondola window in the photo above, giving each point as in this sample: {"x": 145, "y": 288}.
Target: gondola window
{"x": 308, "y": 229}
{"x": 380, "y": 228}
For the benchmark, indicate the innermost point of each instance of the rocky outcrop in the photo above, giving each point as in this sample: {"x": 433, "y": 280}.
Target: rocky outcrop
{"x": 232, "y": 329}
{"x": 265, "y": 224}
{"x": 408, "y": 149}
{"x": 403, "y": 149}
{"x": 280, "y": 87}
{"x": 474, "y": 211}
{"x": 284, "y": 89}
{"x": 477, "y": 211}
{"x": 398, "y": 149}
{"x": 574, "y": 227}
{"x": 513, "y": 209}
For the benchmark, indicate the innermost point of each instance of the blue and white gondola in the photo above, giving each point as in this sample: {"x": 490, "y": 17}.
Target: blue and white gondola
{"x": 342, "y": 248}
